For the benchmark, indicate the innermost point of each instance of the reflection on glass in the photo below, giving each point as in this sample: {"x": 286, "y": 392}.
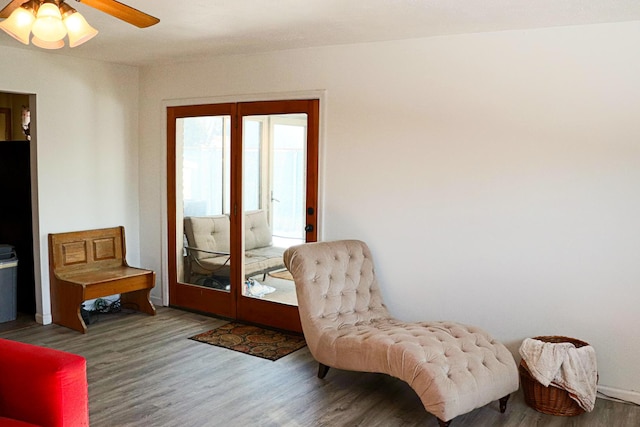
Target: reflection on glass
{"x": 203, "y": 182}
{"x": 274, "y": 175}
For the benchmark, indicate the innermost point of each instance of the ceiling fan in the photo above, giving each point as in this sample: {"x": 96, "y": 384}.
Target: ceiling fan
{"x": 111, "y": 7}
{"x": 51, "y": 20}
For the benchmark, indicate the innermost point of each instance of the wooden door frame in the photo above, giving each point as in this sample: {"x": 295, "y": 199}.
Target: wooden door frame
{"x": 233, "y": 304}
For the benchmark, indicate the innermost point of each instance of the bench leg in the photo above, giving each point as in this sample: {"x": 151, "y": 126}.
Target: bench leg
{"x": 65, "y": 306}
{"x": 140, "y": 300}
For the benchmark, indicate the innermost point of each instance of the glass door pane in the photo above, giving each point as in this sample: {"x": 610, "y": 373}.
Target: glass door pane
{"x": 288, "y": 183}
{"x": 205, "y": 144}
{"x": 274, "y": 177}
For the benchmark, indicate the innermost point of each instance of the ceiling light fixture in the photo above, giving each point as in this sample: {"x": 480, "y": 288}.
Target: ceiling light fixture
{"x": 49, "y": 21}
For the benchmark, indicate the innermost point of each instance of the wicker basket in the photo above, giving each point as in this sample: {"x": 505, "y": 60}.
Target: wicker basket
{"x": 549, "y": 400}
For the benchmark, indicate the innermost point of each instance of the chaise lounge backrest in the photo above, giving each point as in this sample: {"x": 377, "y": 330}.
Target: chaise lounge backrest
{"x": 340, "y": 278}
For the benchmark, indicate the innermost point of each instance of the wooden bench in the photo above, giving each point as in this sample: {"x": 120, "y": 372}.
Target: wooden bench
{"x": 90, "y": 264}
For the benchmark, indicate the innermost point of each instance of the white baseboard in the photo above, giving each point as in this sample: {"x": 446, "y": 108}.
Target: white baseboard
{"x": 43, "y": 319}
{"x": 616, "y": 393}
{"x": 157, "y": 301}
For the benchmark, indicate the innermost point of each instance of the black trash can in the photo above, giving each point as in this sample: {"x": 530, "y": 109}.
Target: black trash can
{"x": 8, "y": 283}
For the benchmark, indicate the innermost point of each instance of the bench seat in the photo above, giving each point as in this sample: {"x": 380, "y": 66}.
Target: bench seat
{"x": 104, "y": 275}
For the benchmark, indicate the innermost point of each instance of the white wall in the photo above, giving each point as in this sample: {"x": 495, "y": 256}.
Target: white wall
{"x": 495, "y": 176}
{"x": 86, "y": 140}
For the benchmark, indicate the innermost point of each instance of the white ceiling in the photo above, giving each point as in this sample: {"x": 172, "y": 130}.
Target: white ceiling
{"x": 198, "y": 28}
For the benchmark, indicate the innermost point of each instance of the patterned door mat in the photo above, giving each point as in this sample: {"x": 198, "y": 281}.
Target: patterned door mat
{"x": 252, "y": 340}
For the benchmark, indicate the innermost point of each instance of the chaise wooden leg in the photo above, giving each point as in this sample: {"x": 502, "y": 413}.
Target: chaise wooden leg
{"x": 322, "y": 370}
{"x": 503, "y": 408}
{"x": 503, "y": 403}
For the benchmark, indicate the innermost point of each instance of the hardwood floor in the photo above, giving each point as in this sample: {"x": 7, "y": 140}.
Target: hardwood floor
{"x": 21, "y": 321}
{"x": 144, "y": 371}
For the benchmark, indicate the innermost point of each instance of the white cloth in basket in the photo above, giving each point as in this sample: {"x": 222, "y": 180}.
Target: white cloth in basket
{"x": 564, "y": 366}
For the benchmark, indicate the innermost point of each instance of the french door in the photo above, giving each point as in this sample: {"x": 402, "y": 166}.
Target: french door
{"x": 242, "y": 184}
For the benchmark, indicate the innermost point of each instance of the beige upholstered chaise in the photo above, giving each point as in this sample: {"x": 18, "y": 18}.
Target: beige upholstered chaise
{"x": 454, "y": 368}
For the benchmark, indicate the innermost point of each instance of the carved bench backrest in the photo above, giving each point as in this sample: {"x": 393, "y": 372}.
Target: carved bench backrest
{"x": 87, "y": 250}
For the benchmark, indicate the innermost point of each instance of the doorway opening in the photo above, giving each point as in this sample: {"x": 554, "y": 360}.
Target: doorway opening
{"x": 16, "y": 221}
{"x": 242, "y": 187}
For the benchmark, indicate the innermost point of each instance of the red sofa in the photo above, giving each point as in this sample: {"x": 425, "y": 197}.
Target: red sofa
{"x": 42, "y": 387}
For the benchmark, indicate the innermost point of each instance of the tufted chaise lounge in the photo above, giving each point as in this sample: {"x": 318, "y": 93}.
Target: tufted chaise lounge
{"x": 452, "y": 367}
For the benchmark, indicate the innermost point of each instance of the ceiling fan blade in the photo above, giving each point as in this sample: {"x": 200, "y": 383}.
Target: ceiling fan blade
{"x": 13, "y": 5}
{"x": 122, "y": 11}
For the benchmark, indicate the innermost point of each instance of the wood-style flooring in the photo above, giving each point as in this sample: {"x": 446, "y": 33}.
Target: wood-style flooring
{"x": 144, "y": 371}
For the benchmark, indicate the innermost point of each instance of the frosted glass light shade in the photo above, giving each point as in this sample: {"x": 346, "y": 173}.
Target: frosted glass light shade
{"x": 18, "y": 24}
{"x": 78, "y": 29}
{"x": 46, "y": 44}
{"x": 48, "y": 26}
